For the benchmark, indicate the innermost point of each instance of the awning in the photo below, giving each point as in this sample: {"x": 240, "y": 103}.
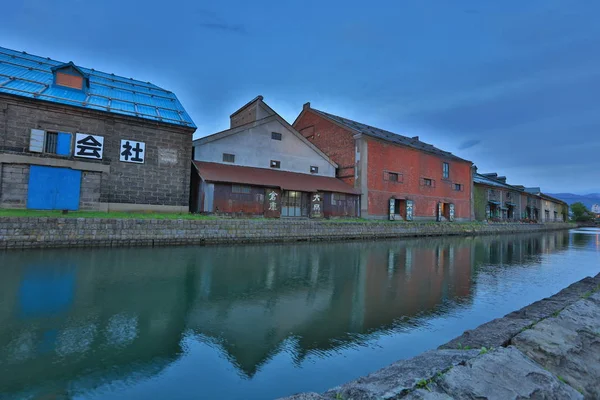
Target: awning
{"x": 494, "y": 202}
{"x": 510, "y": 203}
{"x": 215, "y": 172}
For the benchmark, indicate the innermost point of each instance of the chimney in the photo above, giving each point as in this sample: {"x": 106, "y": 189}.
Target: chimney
{"x": 501, "y": 179}
{"x": 415, "y": 138}
{"x": 306, "y": 105}
{"x": 248, "y": 113}
{"x": 491, "y": 175}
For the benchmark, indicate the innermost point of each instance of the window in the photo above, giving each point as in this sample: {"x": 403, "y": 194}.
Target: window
{"x": 393, "y": 176}
{"x": 68, "y": 80}
{"x": 275, "y": 136}
{"x": 58, "y": 143}
{"x": 240, "y": 189}
{"x": 228, "y": 157}
{"x": 275, "y": 164}
{"x": 458, "y": 187}
{"x": 337, "y": 197}
{"x": 313, "y": 169}
{"x": 427, "y": 182}
{"x": 445, "y": 170}
{"x": 51, "y": 142}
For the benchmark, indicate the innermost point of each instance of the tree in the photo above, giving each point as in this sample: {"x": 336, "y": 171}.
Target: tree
{"x": 580, "y": 212}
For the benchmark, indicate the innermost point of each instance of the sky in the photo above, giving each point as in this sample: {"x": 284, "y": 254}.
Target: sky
{"x": 513, "y": 86}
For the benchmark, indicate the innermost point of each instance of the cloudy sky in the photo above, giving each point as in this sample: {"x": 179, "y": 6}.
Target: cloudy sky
{"x": 512, "y": 85}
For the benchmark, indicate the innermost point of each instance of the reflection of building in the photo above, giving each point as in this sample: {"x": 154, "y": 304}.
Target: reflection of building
{"x": 66, "y": 316}
{"x": 263, "y": 166}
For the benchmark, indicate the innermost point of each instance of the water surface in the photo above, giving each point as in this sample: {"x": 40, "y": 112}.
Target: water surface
{"x": 260, "y": 321}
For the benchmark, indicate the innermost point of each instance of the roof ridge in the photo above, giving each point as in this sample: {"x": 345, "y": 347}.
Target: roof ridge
{"x": 383, "y": 134}
{"x": 89, "y": 71}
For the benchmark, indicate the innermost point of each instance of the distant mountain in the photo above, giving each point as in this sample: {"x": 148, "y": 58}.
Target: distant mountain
{"x": 570, "y": 198}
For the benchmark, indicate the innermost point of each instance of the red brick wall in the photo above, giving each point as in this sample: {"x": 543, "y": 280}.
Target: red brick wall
{"x": 414, "y": 165}
{"x": 331, "y": 139}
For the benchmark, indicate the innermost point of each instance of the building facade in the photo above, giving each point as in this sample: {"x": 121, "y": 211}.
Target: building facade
{"x": 73, "y": 138}
{"x": 551, "y": 209}
{"x": 494, "y": 199}
{"x": 262, "y": 166}
{"x": 400, "y": 178}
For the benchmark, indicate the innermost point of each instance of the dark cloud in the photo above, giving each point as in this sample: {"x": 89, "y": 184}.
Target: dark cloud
{"x": 467, "y": 144}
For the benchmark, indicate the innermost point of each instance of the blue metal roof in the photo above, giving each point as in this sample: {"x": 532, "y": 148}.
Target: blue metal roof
{"x": 31, "y": 76}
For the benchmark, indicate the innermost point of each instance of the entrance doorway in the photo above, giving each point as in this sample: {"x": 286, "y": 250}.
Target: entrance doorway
{"x": 295, "y": 204}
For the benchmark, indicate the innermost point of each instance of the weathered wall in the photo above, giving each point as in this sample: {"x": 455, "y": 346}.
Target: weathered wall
{"x": 68, "y": 232}
{"x": 13, "y": 185}
{"x": 254, "y": 147}
{"x": 413, "y": 165}
{"x": 163, "y": 179}
{"x": 331, "y": 139}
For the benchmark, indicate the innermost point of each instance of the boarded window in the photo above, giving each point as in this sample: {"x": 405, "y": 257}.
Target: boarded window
{"x": 275, "y": 136}
{"x": 67, "y": 80}
{"x": 228, "y": 157}
{"x": 313, "y": 169}
{"x": 445, "y": 170}
{"x": 275, "y": 164}
{"x": 241, "y": 189}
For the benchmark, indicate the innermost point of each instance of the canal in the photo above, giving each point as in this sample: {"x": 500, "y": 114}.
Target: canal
{"x": 258, "y": 321}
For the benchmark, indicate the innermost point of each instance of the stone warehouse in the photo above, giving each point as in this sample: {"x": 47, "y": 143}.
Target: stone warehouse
{"x": 400, "y": 178}
{"x": 73, "y": 138}
{"x": 262, "y": 166}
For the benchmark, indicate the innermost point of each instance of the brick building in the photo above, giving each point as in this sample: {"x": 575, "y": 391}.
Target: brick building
{"x": 262, "y": 166}
{"x": 399, "y": 177}
{"x": 79, "y": 139}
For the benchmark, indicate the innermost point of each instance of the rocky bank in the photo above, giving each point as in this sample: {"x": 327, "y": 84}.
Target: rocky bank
{"x": 547, "y": 350}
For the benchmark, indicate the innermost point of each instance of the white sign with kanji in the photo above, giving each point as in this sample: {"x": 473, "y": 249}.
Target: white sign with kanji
{"x": 89, "y": 146}
{"x": 132, "y": 151}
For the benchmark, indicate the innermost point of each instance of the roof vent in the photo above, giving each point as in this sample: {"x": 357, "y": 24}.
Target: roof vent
{"x": 415, "y": 138}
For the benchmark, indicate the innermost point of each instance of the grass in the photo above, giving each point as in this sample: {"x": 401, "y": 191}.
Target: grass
{"x": 100, "y": 214}
{"x": 424, "y": 384}
{"x": 560, "y": 378}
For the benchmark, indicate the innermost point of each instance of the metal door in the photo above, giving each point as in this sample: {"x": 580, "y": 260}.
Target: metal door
{"x": 53, "y": 188}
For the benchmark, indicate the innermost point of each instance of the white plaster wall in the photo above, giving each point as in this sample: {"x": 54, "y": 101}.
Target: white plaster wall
{"x": 255, "y": 148}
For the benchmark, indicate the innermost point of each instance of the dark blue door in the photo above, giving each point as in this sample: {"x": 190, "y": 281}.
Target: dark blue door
{"x": 53, "y": 188}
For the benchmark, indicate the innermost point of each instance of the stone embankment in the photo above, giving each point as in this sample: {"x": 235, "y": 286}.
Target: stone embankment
{"x": 31, "y": 232}
{"x": 547, "y": 350}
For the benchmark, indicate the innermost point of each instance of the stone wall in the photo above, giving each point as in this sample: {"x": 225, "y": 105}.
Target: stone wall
{"x": 163, "y": 179}
{"x": 25, "y": 232}
{"x": 13, "y": 185}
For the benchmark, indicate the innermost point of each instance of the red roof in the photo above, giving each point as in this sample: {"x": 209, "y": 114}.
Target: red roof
{"x": 215, "y": 172}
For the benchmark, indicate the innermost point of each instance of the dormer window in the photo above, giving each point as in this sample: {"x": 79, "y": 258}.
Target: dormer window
{"x": 70, "y": 76}
{"x": 71, "y": 81}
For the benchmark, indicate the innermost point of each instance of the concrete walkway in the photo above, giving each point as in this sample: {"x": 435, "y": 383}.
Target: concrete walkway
{"x": 547, "y": 350}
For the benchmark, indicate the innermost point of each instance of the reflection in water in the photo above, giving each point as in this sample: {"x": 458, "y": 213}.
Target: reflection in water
{"x": 78, "y": 320}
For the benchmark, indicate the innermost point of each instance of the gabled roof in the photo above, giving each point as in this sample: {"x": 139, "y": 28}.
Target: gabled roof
{"x": 26, "y": 75}
{"x": 382, "y": 134}
{"x": 225, "y": 173}
{"x": 273, "y": 117}
{"x": 485, "y": 179}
